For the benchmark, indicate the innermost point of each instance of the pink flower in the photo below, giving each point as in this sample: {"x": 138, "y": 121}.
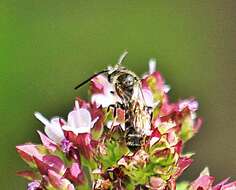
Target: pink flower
{"x": 28, "y": 152}
{"x": 191, "y": 104}
{"x": 156, "y": 83}
{"x": 155, "y": 137}
{"x": 182, "y": 165}
{"x": 51, "y": 167}
{"x": 204, "y": 181}
{"x": 157, "y": 183}
{"x": 75, "y": 173}
{"x": 100, "y": 84}
{"x": 83, "y": 141}
{"x": 151, "y": 67}
{"x": 79, "y": 121}
{"x": 148, "y": 98}
{"x": 66, "y": 146}
{"x": 223, "y": 186}
{"x": 59, "y": 182}
{"x": 78, "y": 129}
{"x": 220, "y": 185}
{"x": 52, "y": 128}
{"x": 103, "y": 92}
{"x": 48, "y": 143}
{"x": 95, "y": 111}
{"x": 50, "y": 162}
{"x": 34, "y": 185}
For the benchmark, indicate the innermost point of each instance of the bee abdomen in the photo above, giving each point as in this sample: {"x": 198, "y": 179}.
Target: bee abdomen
{"x": 133, "y": 139}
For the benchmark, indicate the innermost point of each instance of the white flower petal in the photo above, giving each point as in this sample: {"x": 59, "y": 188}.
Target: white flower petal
{"x": 103, "y": 99}
{"x": 205, "y": 172}
{"x": 81, "y": 130}
{"x": 166, "y": 88}
{"x": 152, "y": 65}
{"x": 55, "y": 121}
{"x": 148, "y": 97}
{"x": 193, "y": 115}
{"x": 110, "y": 123}
{"x": 153, "y": 141}
{"x": 79, "y": 118}
{"x": 69, "y": 128}
{"x": 41, "y": 118}
{"x": 76, "y": 104}
{"x": 52, "y": 129}
{"x": 79, "y": 121}
{"x": 54, "y": 132}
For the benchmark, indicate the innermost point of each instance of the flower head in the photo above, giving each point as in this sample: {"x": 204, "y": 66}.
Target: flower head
{"x": 91, "y": 150}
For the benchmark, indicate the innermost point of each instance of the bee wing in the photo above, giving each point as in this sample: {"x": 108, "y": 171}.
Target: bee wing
{"x": 143, "y": 116}
{"x": 143, "y": 121}
{"x": 140, "y": 96}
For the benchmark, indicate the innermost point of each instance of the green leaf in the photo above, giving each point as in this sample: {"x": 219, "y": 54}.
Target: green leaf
{"x": 90, "y": 164}
{"x": 187, "y": 129}
{"x": 96, "y": 134}
{"x": 130, "y": 186}
{"x": 157, "y": 94}
{"x": 85, "y": 186}
{"x": 114, "y": 153}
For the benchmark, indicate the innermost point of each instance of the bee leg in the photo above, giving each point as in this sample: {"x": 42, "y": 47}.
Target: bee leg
{"x": 112, "y": 125}
{"x": 114, "y": 112}
{"x": 120, "y": 105}
{"x": 149, "y": 109}
{"x": 112, "y": 106}
{"x": 115, "y": 107}
{"x": 151, "y": 116}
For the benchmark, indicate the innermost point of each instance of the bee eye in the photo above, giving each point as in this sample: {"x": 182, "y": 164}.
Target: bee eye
{"x": 112, "y": 92}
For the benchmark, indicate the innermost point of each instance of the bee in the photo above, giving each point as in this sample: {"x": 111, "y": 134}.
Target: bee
{"x": 137, "y": 124}
{"x": 127, "y": 87}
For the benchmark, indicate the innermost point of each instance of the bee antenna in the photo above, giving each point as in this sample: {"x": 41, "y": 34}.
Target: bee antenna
{"x": 122, "y": 57}
{"x": 90, "y": 78}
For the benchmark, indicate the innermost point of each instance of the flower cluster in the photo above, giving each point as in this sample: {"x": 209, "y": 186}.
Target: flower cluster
{"x": 88, "y": 150}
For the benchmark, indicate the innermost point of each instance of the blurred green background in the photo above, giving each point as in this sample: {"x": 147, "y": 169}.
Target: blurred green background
{"x": 47, "y": 47}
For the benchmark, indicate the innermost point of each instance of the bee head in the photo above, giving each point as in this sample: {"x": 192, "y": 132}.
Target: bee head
{"x": 126, "y": 80}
